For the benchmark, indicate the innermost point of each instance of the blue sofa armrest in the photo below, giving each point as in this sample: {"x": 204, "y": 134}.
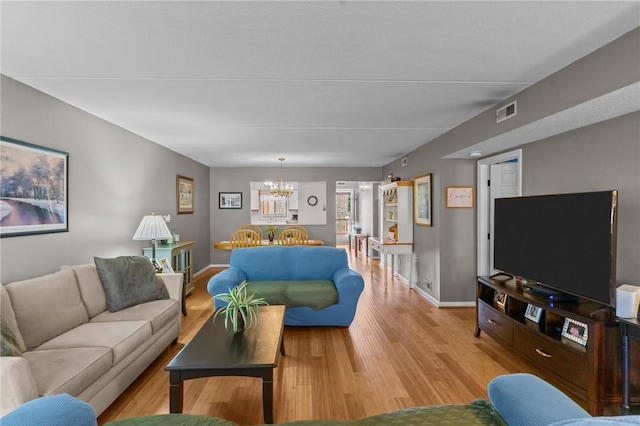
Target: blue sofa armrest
{"x": 349, "y": 284}
{"x": 526, "y": 400}
{"x": 223, "y": 282}
{"x": 53, "y": 410}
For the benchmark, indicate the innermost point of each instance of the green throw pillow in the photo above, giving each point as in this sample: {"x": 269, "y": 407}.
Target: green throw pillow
{"x": 8, "y": 343}
{"x": 129, "y": 281}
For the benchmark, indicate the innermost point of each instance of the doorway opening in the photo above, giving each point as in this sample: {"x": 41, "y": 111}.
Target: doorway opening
{"x": 498, "y": 177}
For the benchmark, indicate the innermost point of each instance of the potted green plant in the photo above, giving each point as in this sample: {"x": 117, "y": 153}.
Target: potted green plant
{"x": 241, "y": 309}
{"x": 271, "y": 231}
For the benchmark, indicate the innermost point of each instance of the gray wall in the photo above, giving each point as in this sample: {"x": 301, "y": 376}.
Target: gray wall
{"x": 115, "y": 178}
{"x": 225, "y": 221}
{"x": 603, "y": 155}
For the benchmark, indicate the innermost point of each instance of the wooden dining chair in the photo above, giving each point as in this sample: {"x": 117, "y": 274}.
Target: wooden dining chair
{"x": 251, "y": 227}
{"x": 293, "y": 236}
{"x": 245, "y": 238}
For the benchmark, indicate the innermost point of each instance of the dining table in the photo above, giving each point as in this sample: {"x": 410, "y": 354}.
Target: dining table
{"x": 226, "y": 245}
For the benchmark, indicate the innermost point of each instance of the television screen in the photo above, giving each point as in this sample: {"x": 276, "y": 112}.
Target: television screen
{"x": 566, "y": 242}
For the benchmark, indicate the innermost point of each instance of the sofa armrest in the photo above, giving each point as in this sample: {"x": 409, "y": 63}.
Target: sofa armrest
{"x": 17, "y": 383}
{"x": 52, "y": 410}
{"x": 526, "y": 400}
{"x": 349, "y": 284}
{"x": 173, "y": 282}
{"x": 224, "y": 281}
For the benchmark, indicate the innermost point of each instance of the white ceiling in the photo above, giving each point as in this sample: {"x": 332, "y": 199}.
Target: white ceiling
{"x": 321, "y": 83}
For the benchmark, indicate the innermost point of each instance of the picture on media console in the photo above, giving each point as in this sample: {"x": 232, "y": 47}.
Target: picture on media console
{"x": 575, "y": 331}
{"x": 500, "y": 300}
{"x": 533, "y": 313}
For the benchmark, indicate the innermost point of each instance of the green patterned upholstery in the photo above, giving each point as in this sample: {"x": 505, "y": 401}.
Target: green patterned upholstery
{"x": 479, "y": 412}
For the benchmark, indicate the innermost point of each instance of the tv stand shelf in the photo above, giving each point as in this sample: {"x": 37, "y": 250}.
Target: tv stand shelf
{"x": 591, "y": 373}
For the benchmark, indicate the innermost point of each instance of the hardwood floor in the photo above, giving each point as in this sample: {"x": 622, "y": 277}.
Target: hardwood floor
{"x": 401, "y": 351}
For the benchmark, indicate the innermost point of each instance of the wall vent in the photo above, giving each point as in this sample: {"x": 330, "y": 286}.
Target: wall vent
{"x": 507, "y": 111}
{"x": 341, "y": 183}
{"x": 403, "y": 162}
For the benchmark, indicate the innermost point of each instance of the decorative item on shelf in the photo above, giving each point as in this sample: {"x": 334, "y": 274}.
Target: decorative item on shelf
{"x": 393, "y": 232}
{"x": 166, "y": 266}
{"x": 576, "y": 331}
{"x": 500, "y": 301}
{"x": 241, "y": 309}
{"x": 154, "y": 228}
{"x": 533, "y": 313}
{"x": 393, "y": 178}
{"x": 282, "y": 189}
{"x": 271, "y": 231}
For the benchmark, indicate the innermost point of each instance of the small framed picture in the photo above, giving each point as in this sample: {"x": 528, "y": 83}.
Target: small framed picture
{"x": 533, "y": 313}
{"x": 166, "y": 265}
{"x": 185, "y": 190}
{"x": 230, "y": 200}
{"x": 500, "y": 300}
{"x": 575, "y": 331}
{"x": 459, "y": 197}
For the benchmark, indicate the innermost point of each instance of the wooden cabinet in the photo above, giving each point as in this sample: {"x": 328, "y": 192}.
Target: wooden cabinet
{"x": 179, "y": 254}
{"x": 396, "y": 211}
{"x": 590, "y": 374}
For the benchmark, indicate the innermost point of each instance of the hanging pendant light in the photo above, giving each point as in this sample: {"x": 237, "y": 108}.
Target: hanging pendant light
{"x": 281, "y": 189}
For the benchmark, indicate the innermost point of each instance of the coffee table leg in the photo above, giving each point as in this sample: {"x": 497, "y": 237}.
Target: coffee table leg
{"x": 175, "y": 392}
{"x": 267, "y": 398}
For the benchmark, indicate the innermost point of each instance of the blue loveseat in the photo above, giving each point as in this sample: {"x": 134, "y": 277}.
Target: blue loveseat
{"x": 296, "y": 267}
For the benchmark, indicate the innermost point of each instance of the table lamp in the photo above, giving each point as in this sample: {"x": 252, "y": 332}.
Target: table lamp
{"x": 152, "y": 227}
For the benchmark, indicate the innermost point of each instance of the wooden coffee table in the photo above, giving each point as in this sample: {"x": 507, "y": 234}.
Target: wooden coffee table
{"x": 215, "y": 351}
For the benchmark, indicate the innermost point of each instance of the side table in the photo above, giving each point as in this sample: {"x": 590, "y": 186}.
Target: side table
{"x": 179, "y": 254}
{"x": 629, "y": 328}
{"x": 358, "y": 238}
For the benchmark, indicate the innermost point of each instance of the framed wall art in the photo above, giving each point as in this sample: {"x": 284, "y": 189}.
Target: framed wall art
{"x": 33, "y": 189}
{"x": 422, "y": 199}
{"x": 230, "y": 200}
{"x": 184, "y": 194}
{"x": 459, "y": 197}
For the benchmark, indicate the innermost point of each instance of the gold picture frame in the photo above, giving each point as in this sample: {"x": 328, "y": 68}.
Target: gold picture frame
{"x": 422, "y": 200}
{"x": 460, "y": 197}
{"x": 185, "y": 191}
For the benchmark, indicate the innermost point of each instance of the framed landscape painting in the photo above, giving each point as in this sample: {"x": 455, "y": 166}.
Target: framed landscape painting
{"x": 184, "y": 194}
{"x": 422, "y": 199}
{"x": 33, "y": 189}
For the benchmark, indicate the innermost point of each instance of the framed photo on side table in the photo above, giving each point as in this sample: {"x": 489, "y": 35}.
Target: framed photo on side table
{"x": 184, "y": 194}
{"x": 166, "y": 266}
{"x": 575, "y": 331}
{"x": 533, "y": 313}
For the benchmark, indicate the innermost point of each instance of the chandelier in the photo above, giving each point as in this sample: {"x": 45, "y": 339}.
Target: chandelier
{"x": 282, "y": 189}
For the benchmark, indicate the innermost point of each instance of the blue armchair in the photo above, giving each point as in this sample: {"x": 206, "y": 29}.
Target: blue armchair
{"x": 296, "y": 264}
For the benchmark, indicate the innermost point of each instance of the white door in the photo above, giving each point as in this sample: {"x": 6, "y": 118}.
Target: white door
{"x": 498, "y": 176}
{"x": 504, "y": 183}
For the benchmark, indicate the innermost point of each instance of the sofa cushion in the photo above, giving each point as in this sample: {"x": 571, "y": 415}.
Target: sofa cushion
{"x": 159, "y": 312}
{"x": 47, "y": 306}
{"x": 316, "y": 294}
{"x": 128, "y": 281}
{"x": 8, "y": 342}
{"x": 123, "y": 337}
{"x": 69, "y": 370}
{"x": 91, "y": 289}
{"x": 10, "y": 317}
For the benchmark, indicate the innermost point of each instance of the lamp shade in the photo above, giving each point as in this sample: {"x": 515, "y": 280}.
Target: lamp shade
{"x": 152, "y": 227}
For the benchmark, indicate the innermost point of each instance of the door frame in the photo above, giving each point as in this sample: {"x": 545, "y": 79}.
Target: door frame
{"x": 483, "y": 170}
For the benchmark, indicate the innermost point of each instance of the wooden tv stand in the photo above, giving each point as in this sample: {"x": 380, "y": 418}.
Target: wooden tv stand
{"x": 591, "y": 374}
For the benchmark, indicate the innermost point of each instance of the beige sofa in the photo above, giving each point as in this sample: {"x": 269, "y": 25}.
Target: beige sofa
{"x": 71, "y": 343}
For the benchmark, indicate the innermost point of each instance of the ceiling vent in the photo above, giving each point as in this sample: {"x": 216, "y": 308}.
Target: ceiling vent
{"x": 507, "y": 111}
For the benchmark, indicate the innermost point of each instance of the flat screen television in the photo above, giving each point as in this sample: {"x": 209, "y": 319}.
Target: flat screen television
{"x": 563, "y": 242}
